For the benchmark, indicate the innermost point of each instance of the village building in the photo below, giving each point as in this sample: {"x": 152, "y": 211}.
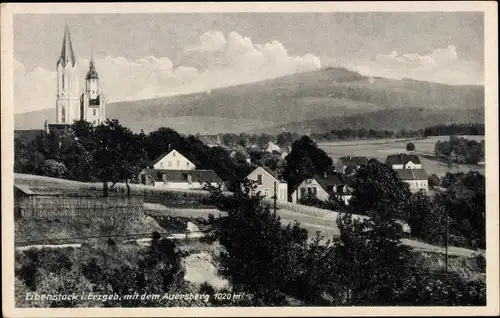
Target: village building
{"x": 350, "y": 164}
{"x": 71, "y": 104}
{"x": 272, "y": 147}
{"x": 417, "y": 179}
{"x": 210, "y": 141}
{"x": 322, "y": 187}
{"x": 268, "y": 183}
{"x": 173, "y": 170}
{"x": 403, "y": 161}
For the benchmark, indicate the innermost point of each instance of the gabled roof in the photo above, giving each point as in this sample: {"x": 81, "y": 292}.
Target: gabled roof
{"x": 67, "y": 53}
{"x": 269, "y": 171}
{"x": 208, "y": 140}
{"x": 163, "y": 155}
{"x": 328, "y": 181}
{"x": 412, "y": 174}
{"x": 181, "y": 175}
{"x": 353, "y": 161}
{"x": 401, "y": 159}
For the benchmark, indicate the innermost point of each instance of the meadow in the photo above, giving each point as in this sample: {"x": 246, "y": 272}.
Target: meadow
{"x": 381, "y": 148}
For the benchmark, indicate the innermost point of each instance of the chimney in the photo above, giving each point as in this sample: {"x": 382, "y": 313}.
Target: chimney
{"x": 325, "y": 175}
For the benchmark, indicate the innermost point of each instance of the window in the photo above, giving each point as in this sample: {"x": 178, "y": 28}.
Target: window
{"x": 62, "y": 81}
{"x": 94, "y": 112}
{"x": 170, "y": 163}
{"x": 266, "y": 192}
{"x": 314, "y": 191}
{"x": 259, "y": 179}
{"x": 173, "y": 154}
{"x": 161, "y": 164}
{"x": 178, "y": 163}
{"x": 63, "y": 114}
{"x": 93, "y": 122}
{"x": 187, "y": 164}
{"x": 303, "y": 192}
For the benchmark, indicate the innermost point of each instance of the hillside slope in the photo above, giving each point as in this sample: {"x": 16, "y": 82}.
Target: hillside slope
{"x": 388, "y": 119}
{"x": 305, "y": 96}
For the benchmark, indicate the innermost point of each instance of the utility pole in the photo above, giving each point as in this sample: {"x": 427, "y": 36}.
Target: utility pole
{"x": 275, "y": 197}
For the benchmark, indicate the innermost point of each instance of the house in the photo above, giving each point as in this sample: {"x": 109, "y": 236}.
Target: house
{"x": 173, "y": 170}
{"x": 210, "y": 141}
{"x": 349, "y": 164}
{"x": 403, "y": 161}
{"x": 179, "y": 179}
{"x": 268, "y": 182}
{"x": 172, "y": 160}
{"x": 417, "y": 179}
{"x": 322, "y": 187}
{"x": 272, "y": 147}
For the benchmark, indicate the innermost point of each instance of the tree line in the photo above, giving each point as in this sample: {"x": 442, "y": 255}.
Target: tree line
{"x": 111, "y": 153}
{"x": 455, "y": 129}
{"x": 460, "y": 150}
{"x": 286, "y": 138}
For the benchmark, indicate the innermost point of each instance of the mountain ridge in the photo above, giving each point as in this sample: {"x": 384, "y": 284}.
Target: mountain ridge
{"x": 326, "y": 93}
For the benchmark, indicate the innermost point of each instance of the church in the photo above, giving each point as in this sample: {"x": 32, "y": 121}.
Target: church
{"x": 71, "y": 104}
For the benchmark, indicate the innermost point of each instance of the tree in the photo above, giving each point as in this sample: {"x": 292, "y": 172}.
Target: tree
{"x": 261, "y": 256}
{"x": 410, "y": 146}
{"x": 427, "y": 219}
{"x": 118, "y": 154}
{"x": 304, "y": 160}
{"x": 54, "y": 168}
{"x": 376, "y": 189}
{"x": 434, "y": 181}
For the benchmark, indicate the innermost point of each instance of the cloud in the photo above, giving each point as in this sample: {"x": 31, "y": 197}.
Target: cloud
{"x": 214, "y": 61}
{"x": 440, "y": 65}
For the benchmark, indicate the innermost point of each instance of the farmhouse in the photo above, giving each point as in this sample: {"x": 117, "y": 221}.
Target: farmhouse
{"x": 180, "y": 179}
{"x": 268, "y": 182}
{"x": 349, "y": 165}
{"x": 322, "y": 187}
{"x": 403, "y": 161}
{"x": 417, "y": 179}
{"x": 173, "y": 170}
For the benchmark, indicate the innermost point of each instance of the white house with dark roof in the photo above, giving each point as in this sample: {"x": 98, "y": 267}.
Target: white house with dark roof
{"x": 403, "y": 161}
{"x": 322, "y": 187}
{"x": 417, "y": 179}
{"x": 267, "y": 181}
{"x": 173, "y": 170}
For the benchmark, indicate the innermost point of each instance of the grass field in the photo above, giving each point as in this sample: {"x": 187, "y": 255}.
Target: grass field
{"x": 380, "y": 149}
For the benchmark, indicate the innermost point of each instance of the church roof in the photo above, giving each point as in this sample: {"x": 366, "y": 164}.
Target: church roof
{"x": 92, "y": 73}
{"x": 67, "y": 53}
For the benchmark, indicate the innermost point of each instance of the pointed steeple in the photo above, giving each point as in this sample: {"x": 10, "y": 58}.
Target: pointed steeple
{"x": 67, "y": 53}
{"x": 92, "y": 73}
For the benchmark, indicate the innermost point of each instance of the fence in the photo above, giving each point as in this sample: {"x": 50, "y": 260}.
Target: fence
{"x": 76, "y": 207}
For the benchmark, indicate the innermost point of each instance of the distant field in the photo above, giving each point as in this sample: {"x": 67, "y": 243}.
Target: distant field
{"x": 381, "y": 148}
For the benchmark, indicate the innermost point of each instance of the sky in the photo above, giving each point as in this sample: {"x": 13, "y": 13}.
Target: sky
{"x": 142, "y": 56}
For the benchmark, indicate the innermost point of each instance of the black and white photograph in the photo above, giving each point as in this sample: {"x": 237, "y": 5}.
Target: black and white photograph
{"x": 315, "y": 156}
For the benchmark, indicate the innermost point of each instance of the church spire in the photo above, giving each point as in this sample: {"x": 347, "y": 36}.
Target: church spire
{"x": 92, "y": 73}
{"x": 67, "y": 53}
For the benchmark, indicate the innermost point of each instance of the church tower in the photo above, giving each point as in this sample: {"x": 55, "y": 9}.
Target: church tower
{"x": 92, "y": 101}
{"x": 67, "y": 102}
